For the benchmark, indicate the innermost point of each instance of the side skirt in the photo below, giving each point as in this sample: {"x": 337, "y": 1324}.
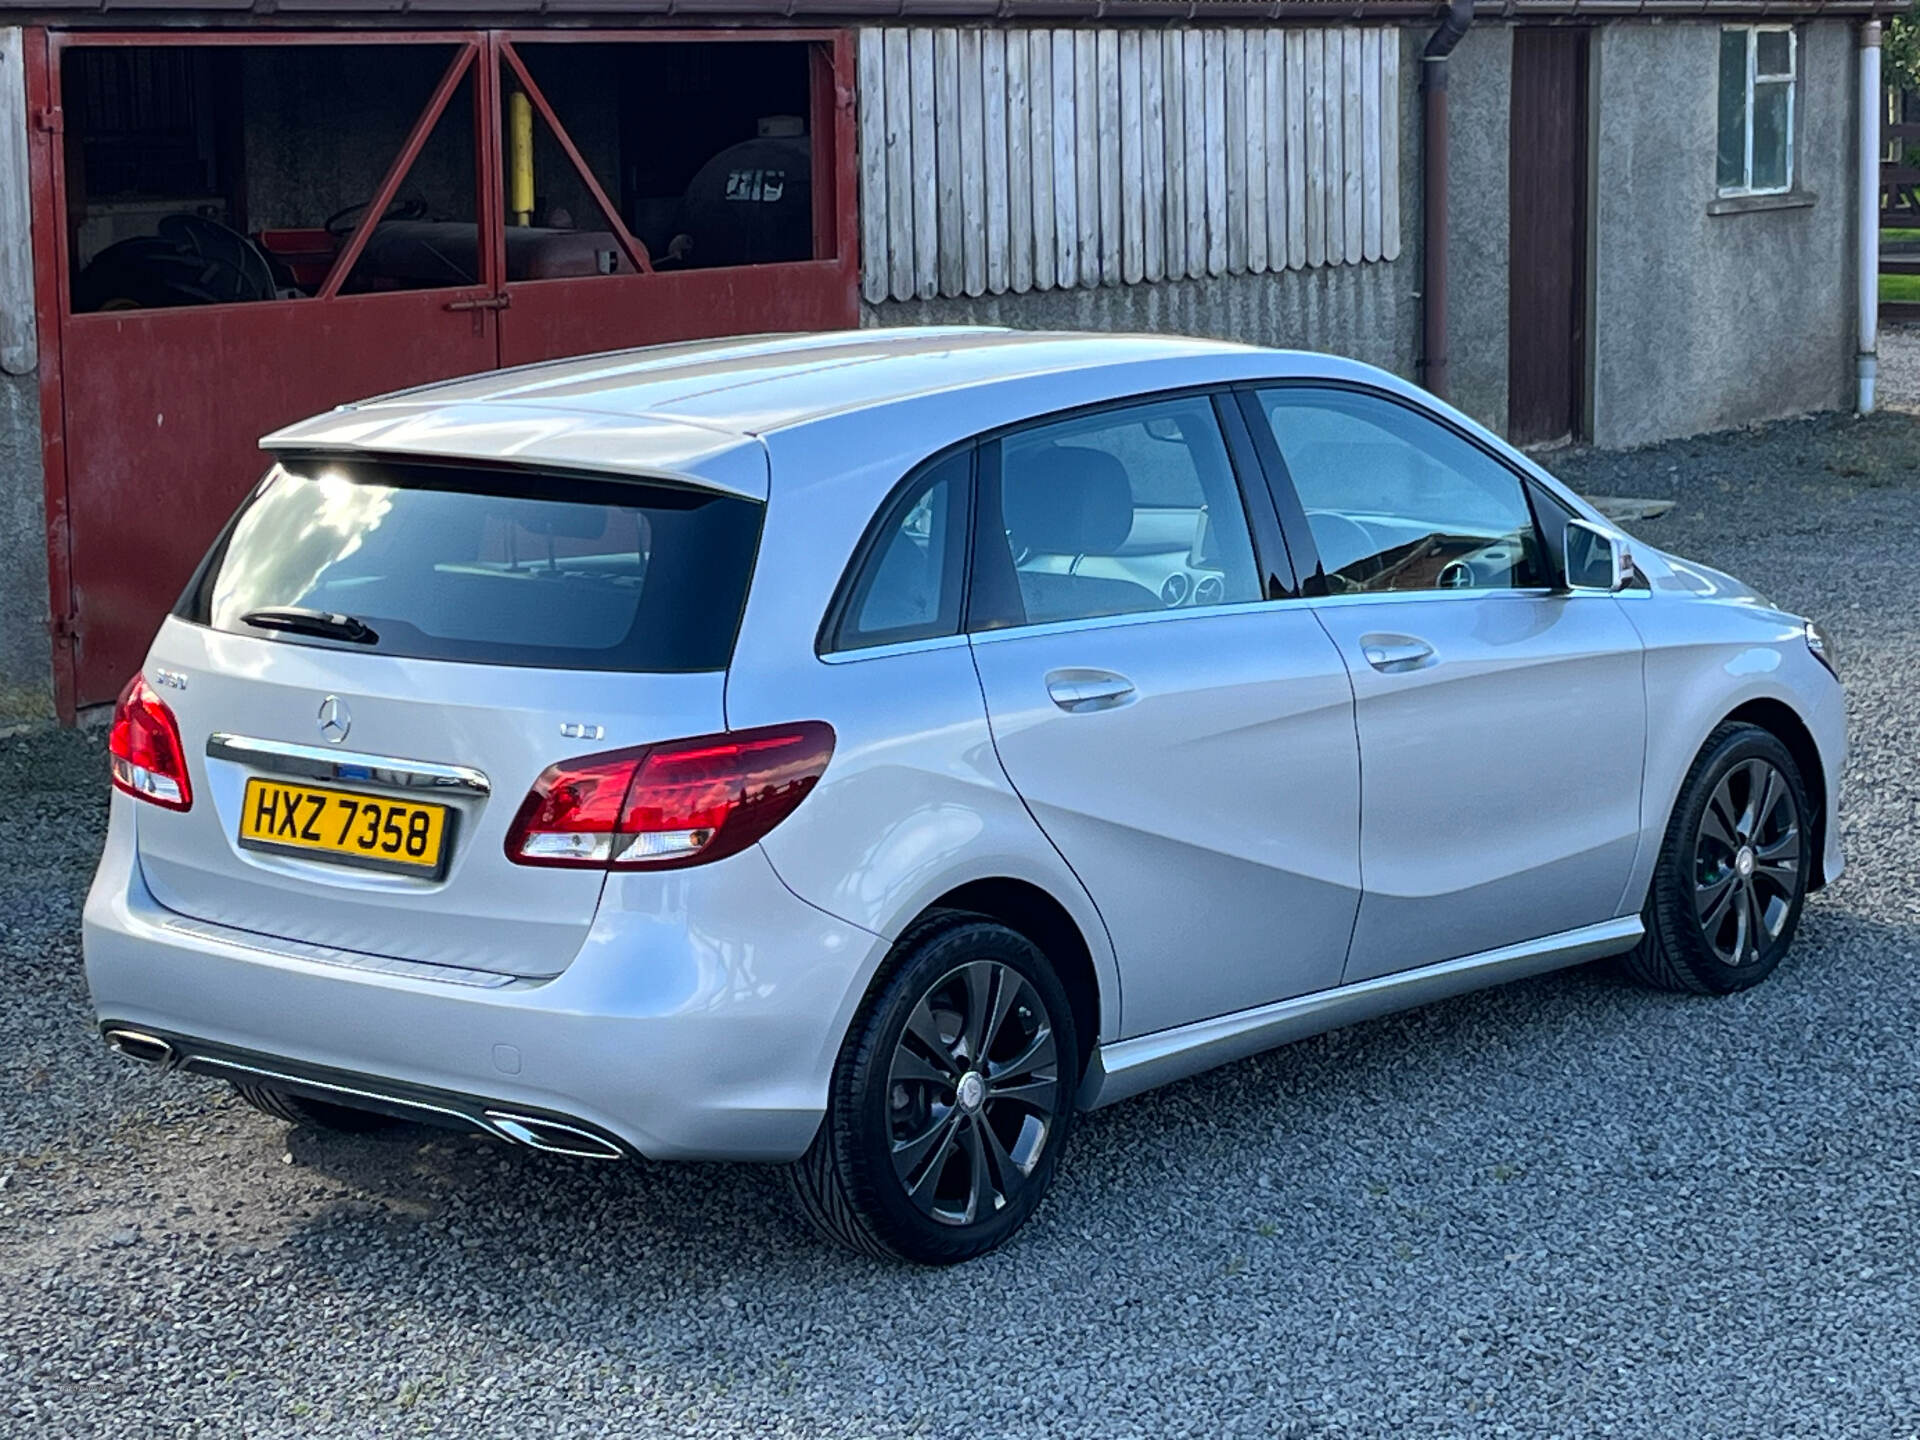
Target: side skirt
{"x": 1129, "y": 1067}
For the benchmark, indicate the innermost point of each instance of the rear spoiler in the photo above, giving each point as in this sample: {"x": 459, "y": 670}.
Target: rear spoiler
{"x": 584, "y": 444}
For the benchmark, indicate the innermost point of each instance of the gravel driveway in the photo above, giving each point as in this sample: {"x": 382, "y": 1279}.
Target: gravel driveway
{"x": 1569, "y": 1206}
{"x": 1899, "y": 379}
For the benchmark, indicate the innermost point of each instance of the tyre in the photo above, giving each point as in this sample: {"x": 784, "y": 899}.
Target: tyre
{"x": 1733, "y": 870}
{"x": 299, "y": 1110}
{"x": 950, "y": 1101}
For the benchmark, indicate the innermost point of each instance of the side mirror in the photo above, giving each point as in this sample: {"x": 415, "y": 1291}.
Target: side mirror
{"x": 1596, "y": 560}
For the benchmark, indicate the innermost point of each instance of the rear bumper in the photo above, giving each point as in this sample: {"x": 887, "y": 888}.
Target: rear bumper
{"x": 556, "y": 1134}
{"x": 706, "y": 1032}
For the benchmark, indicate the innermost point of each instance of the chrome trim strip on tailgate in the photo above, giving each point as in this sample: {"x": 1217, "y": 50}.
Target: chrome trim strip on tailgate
{"x": 1128, "y": 1067}
{"x": 283, "y": 949}
{"x": 311, "y": 762}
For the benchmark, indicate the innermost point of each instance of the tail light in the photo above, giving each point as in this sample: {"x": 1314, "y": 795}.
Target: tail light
{"x": 149, "y": 762}
{"x": 660, "y": 807}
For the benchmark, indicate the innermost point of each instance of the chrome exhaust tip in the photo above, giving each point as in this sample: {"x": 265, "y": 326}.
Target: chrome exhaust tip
{"x": 552, "y": 1136}
{"x": 138, "y": 1045}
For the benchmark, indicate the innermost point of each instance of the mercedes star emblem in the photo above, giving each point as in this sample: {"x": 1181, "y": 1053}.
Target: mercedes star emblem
{"x": 335, "y": 719}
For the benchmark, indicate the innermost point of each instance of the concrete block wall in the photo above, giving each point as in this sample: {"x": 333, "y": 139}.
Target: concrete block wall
{"x": 26, "y": 654}
{"x": 1708, "y": 315}
{"x": 1480, "y": 90}
{"x": 1362, "y": 311}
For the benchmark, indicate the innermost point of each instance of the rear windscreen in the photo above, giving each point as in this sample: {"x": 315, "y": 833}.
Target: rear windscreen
{"x": 446, "y": 562}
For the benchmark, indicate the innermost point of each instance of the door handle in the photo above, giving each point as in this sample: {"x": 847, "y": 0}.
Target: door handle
{"x": 481, "y": 302}
{"x": 1394, "y": 654}
{"x": 1078, "y": 691}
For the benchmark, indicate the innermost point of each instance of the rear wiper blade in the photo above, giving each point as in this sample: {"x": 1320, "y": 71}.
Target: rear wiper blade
{"x": 299, "y": 620}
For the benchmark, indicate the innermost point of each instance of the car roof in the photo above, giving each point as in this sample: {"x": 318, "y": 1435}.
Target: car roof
{"x": 698, "y": 411}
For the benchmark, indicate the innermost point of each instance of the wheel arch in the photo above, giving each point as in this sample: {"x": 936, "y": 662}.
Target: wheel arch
{"x": 1025, "y": 907}
{"x": 1783, "y": 722}
{"x": 1681, "y": 719}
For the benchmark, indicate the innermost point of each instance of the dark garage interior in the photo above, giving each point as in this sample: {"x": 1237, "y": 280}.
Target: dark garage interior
{"x": 224, "y": 174}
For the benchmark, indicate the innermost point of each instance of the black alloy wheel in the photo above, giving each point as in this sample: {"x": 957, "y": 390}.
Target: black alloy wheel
{"x": 1733, "y": 871}
{"x": 1748, "y": 862}
{"x": 951, "y": 1100}
{"x": 972, "y": 1093}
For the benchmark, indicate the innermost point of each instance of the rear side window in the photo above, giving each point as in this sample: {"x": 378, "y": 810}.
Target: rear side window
{"x": 446, "y": 562}
{"x": 907, "y": 583}
{"x": 1121, "y": 511}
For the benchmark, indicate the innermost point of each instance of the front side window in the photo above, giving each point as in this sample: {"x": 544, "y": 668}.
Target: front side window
{"x": 1757, "y": 84}
{"x": 1396, "y": 501}
{"x": 1114, "y": 513}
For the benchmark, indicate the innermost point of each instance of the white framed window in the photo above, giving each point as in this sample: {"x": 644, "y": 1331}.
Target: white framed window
{"x": 1757, "y": 99}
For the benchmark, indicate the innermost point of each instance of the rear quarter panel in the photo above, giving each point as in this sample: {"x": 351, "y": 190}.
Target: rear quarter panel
{"x": 915, "y": 802}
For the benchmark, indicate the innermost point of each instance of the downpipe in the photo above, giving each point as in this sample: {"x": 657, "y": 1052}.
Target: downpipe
{"x": 1868, "y": 188}
{"x": 1433, "y": 193}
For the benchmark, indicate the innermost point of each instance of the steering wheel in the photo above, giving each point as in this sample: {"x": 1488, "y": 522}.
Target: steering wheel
{"x": 1488, "y": 567}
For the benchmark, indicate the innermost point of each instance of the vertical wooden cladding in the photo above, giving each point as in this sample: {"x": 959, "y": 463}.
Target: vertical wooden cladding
{"x": 19, "y": 336}
{"x": 1007, "y": 160}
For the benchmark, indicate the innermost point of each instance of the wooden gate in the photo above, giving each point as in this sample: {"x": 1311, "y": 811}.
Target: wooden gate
{"x": 1547, "y": 285}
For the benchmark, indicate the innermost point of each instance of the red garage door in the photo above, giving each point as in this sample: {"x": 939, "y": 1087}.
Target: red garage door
{"x": 252, "y": 228}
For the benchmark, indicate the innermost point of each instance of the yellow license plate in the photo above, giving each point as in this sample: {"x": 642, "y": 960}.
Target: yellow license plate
{"x": 343, "y": 826}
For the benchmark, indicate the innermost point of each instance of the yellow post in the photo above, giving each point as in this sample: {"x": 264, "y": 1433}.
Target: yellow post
{"x": 520, "y": 157}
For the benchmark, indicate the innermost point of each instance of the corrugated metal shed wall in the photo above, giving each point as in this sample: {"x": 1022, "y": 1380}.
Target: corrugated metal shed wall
{"x": 1015, "y": 160}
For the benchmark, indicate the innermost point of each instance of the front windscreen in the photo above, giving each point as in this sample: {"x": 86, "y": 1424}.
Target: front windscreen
{"x": 498, "y": 566}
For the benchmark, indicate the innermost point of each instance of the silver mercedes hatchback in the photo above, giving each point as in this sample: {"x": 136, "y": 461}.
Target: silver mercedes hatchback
{"x": 864, "y": 752}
